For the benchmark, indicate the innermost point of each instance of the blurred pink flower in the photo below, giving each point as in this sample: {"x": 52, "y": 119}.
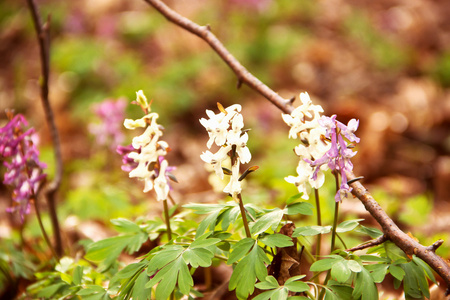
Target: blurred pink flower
{"x": 109, "y": 130}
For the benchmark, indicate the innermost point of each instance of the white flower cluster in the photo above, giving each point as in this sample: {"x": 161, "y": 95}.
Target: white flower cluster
{"x": 150, "y": 151}
{"x": 225, "y": 130}
{"x": 304, "y": 124}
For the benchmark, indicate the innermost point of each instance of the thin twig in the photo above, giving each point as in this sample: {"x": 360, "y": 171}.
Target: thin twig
{"x": 390, "y": 229}
{"x": 375, "y": 242}
{"x": 42, "y": 34}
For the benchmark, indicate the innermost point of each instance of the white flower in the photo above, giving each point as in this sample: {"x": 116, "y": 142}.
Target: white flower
{"x": 304, "y": 123}
{"x": 225, "y": 129}
{"x": 149, "y": 150}
{"x": 216, "y": 159}
{"x": 160, "y": 183}
{"x": 234, "y": 186}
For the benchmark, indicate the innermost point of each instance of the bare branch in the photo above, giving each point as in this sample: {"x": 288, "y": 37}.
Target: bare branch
{"x": 390, "y": 229}
{"x": 42, "y": 34}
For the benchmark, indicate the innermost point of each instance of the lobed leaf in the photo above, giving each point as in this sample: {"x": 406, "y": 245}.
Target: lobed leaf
{"x": 311, "y": 230}
{"x": 269, "y": 220}
{"x": 277, "y": 240}
{"x": 303, "y": 208}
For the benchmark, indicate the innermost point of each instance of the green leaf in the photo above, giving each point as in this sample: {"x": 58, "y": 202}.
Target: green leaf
{"x": 265, "y": 296}
{"x": 297, "y": 286}
{"x": 77, "y": 275}
{"x": 168, "y": 276}
{"x": 107, "y": 250}
{"x": 329, "y": 295}
{"x": 164, "y": 257}
{"x": 125, "y": 226}
{"x": 364, "y": 286}
{"x": 354, "y": 266}
{"x": 185, "y": 281}
{"x": 208, "y": 223}
{"x": 374, "y": 258}
{"x": 204, "y": 208}
{"x": 131, "y": 269}
{"x": 340, "y": 271}
{"x": 203, "y": 243}
{"x": 229, "y": 217}
{"x": 280, "y": 294}
{"x": 293, "y": 198}
{"x": 410, "y": 283}
{"x": 311, "y": 230}
{"x": 378, "y": 272}
{"x": 303, "y": 208}
{"x": 198, "y": 257}
{"x": 269, "y": 284}
{"x": 240, "y": 250}
{"x": 372, "y": 232}
{"x": 66, "y": 278}
{"x": 271, "y": 219}
{"x": 295, "y": 278}
{"x": 348, "y": 225}
{"x": 247, "y": 270}
{"x": 277, "y": 240}
{"x": 397, "y": 272}
{"x": 140, "y": 292}
{"x": 49, "y": 291}
{"x": 425, "y": 267}
{"x": 324, "y": 264}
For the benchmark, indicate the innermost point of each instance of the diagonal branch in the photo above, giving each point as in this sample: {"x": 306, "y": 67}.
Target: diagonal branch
{"x": 390, "y": 229}
{"x": 243, "y": 75}
{"x": 42, "y": 33}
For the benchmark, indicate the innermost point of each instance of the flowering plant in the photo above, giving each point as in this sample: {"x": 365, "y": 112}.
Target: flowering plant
{"x": 24, "y": 171}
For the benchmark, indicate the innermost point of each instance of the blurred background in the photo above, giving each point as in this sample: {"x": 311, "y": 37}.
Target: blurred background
{"x": 386, "y": 63}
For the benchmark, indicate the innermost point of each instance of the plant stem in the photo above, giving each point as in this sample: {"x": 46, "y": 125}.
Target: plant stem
{"x": 308, "y": 253}
{"x": 43, "y": 37}
{"x": 44, "y": 233}
{"x": 319, "y": 222}
{"x": 167, "y": 219}
{"x": 244, "y": 216}
{"x": 336, "y": 215}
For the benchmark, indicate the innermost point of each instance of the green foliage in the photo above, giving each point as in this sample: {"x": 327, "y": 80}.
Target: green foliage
{"x": 248, "y": 269}
{"x": 68, "y": 280}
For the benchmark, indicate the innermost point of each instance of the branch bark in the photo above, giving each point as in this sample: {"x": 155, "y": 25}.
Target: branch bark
{"x": 43, "y": 37}
{"x": 390, "y": 229}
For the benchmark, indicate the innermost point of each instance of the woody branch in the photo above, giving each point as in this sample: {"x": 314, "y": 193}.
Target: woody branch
{"x": 390, "y": 229}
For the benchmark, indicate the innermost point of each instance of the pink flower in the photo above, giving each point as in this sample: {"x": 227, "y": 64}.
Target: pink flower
{"x": 24, "y": 170}
{"x": 109, "y": 130}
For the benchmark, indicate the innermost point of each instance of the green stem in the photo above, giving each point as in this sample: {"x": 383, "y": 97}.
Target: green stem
{"x": 336, "y": 215}
{"x": 319, "y": 222}
{"x": 167, "y": 219}
{"x": 244, "y": 216}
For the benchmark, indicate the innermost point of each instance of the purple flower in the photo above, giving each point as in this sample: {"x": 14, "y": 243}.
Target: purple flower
{"x": 338, "y": 157}
{"x": 109, "y": 131}
{"x": 21, "y": 159}
{"x": 128, "y": 164}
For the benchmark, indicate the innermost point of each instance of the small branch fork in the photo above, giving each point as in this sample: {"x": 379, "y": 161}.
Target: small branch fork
{"x": 390, "y": 229}
{"x": 42, "y": 34}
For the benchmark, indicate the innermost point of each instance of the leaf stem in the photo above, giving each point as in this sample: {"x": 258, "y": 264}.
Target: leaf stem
{"x": 244, "y": 216}
{"x": 167, "y": 219}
